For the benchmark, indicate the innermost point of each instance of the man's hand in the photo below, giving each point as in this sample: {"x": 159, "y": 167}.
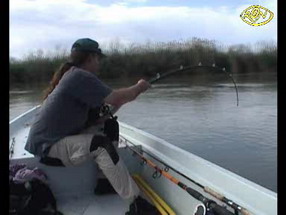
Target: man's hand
{"x": 123, "y": 95}
{"x": 143, "y": 85}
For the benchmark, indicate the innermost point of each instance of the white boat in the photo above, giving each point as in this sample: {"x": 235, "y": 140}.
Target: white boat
{"x": 73, "y": 186}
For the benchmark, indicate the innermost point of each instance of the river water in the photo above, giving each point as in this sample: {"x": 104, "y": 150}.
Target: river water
{"x": 202, "y": 117}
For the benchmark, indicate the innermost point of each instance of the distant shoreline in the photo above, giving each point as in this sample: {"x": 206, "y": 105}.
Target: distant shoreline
{"x": 147, "y": 60}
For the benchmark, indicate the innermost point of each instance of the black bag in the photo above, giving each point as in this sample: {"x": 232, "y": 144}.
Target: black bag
{"x": 32, "y": 198}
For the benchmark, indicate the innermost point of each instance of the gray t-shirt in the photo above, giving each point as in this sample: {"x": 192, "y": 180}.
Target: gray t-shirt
{"x": 65, "y": 111}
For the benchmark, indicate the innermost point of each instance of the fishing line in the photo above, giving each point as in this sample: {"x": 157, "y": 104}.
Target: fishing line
{"x": 160, "y": 76}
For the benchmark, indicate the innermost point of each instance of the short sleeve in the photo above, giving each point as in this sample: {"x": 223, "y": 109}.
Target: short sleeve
{"x": 86, "y": 87}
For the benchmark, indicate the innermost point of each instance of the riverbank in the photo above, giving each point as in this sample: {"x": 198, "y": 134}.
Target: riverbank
{"x": 145, "y": 60}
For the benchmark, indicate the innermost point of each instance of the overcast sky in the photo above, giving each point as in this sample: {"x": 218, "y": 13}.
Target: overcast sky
{"x": 47, "y": 24}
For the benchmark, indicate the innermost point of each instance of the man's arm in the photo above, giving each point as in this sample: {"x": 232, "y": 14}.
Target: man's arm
{"x": 121, "y": 96}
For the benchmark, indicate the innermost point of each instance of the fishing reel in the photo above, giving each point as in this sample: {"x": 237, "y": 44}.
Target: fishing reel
{"x": 111, "y": 125}
{"x": 105, "y": 110}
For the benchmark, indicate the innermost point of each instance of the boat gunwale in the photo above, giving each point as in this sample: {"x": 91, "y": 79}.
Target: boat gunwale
{"x": 220, "y": 171}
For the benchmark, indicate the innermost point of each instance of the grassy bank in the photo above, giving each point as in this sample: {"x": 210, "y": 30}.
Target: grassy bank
{"x": 145, "y": 60}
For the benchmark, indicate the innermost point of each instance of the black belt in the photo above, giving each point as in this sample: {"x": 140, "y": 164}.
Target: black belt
{"x": 51, "y": 161}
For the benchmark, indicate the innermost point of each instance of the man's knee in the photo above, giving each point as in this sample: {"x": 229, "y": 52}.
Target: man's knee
{"x": 98, "y": 141}
{"x": 104, "y": 142}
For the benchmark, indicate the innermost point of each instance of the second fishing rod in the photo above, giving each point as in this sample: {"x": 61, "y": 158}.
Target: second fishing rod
{"x": 211, "y": 205}
{"x": 237, "y": 208}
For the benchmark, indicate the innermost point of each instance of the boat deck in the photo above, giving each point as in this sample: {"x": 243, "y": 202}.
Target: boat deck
{"x": 91, "y": 204}
{"x": 73, "y": 186}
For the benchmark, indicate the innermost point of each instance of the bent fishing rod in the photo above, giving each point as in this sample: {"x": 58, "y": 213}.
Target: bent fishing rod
{"x": 237, "y": 208}
{"x": 210, "y": 204}
{"x": 160, "y": 76}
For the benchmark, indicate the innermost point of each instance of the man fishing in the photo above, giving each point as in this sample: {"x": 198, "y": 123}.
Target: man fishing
{"x": 68, "y": 129}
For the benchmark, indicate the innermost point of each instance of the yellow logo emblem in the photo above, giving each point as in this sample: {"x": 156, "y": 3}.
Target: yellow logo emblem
{"x": 256, "y": 15}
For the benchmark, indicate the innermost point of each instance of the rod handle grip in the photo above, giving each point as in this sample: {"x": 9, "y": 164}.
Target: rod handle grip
{"x": 195, "y": 194}
{"x": 245, "y": 212}
{"x": 219, "y": 196}
{"x": 213, "y": 193}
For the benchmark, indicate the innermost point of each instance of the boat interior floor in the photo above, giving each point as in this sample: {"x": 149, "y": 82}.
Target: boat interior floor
{"x": 91, "y": 204}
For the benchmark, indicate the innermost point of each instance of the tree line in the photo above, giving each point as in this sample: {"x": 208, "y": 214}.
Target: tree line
{"x": 137, "y": 60}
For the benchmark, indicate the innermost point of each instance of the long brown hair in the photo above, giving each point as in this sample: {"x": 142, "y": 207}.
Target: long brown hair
{"x": 76, "y": 58}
